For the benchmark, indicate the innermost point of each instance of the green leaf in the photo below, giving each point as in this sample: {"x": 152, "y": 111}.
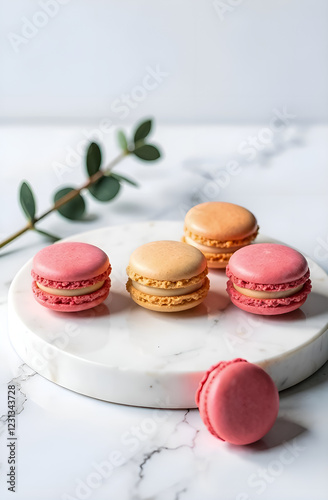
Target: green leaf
{"x": 52, "y": 237}
{"x": 121, "y": 178}
{"x": 105, "y": 189}
{"x": 73, "y": 209}
{"x": 93, "y": 159}
{"x": 122, "y": 140}
{"x": 142, "y": 130}
{"x": 27, "y": 201}
{"x": 147, "y": 152}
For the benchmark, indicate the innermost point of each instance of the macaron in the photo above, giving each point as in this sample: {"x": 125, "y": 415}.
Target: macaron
{"x": 238, "y": 401}
{"x": 218, "y": 229}
{"x": 167, "y": 276}
{"x": 267, "y": 278}
{"x": 70, "y": 276}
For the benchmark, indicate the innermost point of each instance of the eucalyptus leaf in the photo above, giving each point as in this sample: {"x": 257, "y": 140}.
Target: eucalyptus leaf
{"x": 122, "y": 140}
{"x": 147, "y": 152}
{"x": 142, "y": 131}
{"x": 52, "y": 237}
{"x": 27, "y": 201}
{"x": 121, "y": 178}
{"x": 105, "y": 189}
{"x": 73, "y": 209}
{"x": 93, "y": 159}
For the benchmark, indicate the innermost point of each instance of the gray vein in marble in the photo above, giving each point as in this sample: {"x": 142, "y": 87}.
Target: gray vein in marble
{"x": 185, "y": 351}
{"x": 149, "y": 455}
{"x": 179, "y": 493}
{"x": 171, "y": 350}
{"x": 24, "y": 374}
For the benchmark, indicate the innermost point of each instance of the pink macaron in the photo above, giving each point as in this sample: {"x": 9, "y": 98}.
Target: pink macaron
{"x": 268, "y": 279}
{"x": 238, "y": 401}
{"x": 70, "y": 276}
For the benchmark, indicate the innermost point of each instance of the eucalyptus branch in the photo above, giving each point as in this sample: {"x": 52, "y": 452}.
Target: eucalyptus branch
{"x": 72, "y": 194}
{"x": 102, "y": 184}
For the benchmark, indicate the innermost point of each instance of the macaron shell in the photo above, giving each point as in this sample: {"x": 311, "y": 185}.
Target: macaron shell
{"x": 71, "y": 304}
{"x": 167, "y": 261}
{"x": 268, "y": 311}
{"x": 242, "y": 403}
{"x": 268, "y": 263}
{"x": 70, "y": 261}
{"x": 220, "y": 221}
{"x": 168, "y": 308}
{"x": 214, "y": 369}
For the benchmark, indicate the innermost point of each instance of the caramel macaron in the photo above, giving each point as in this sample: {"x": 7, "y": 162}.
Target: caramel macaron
{"x": 218, "y": 229}
{"x": 167, "y": 276}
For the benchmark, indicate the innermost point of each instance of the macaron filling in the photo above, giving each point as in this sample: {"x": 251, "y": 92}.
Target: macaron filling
{"x": 164, "y": 292}
{"x": 76, "y": 300}
{"x": 210, "y": 249}
{"x": 222, "y": 245}
{"x": 296, "y": 297}
{"x": 171, "y": 302}
{"x": 270, "y": 294}
{"x": 156, "y": 283}
{"x": 270, "y": 287}
{"x": 71, "y": 292}
{"x": 71, "y": 285}
{"x": 259, "y": 294}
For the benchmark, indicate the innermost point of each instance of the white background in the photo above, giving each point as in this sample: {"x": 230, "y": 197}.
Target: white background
{"x": 226, "y": 62}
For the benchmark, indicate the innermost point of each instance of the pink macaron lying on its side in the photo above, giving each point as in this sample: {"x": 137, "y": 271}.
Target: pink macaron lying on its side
{"x": 70, "y": 276}
{"x": 238, "y": 401}
{"x": 268, "y": 279}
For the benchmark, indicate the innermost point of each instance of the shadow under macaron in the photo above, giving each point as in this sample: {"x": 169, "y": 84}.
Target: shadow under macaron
{"x": 315, "y": 304}
{"x": 282, "y": 433}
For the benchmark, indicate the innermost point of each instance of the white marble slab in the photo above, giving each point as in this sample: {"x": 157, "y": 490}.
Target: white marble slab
{"x": 122, "y": 353}
{"x": 167, "y": 455}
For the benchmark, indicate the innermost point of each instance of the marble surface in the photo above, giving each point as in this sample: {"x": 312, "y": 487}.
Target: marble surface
{"x": 73, "y": 447}
{"x": 122, "y": 353}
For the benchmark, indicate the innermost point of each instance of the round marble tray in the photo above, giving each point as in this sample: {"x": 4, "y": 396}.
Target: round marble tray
{"x": 122, "y": 353}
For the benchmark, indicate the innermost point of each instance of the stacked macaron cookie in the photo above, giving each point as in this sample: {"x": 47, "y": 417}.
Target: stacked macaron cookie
{"x": 167, "y": 276}
{"x": 70, "y": 276}
{"x": 218, "y": 229}
{"x": 268, "y": 279}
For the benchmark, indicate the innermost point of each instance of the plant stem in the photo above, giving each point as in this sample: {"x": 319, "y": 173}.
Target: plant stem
{"x": 45, "y": 233}
{"x": 5, "y": 242}
{"x": 68, "y": 197}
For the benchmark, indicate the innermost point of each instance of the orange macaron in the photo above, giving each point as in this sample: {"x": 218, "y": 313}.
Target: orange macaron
{"x": 218, "y": 229}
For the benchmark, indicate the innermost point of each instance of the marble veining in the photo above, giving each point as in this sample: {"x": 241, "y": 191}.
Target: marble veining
{"x": 24, "y": 374}
{"x": 64, "y": 437}
{"x": 118, "y": 350}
